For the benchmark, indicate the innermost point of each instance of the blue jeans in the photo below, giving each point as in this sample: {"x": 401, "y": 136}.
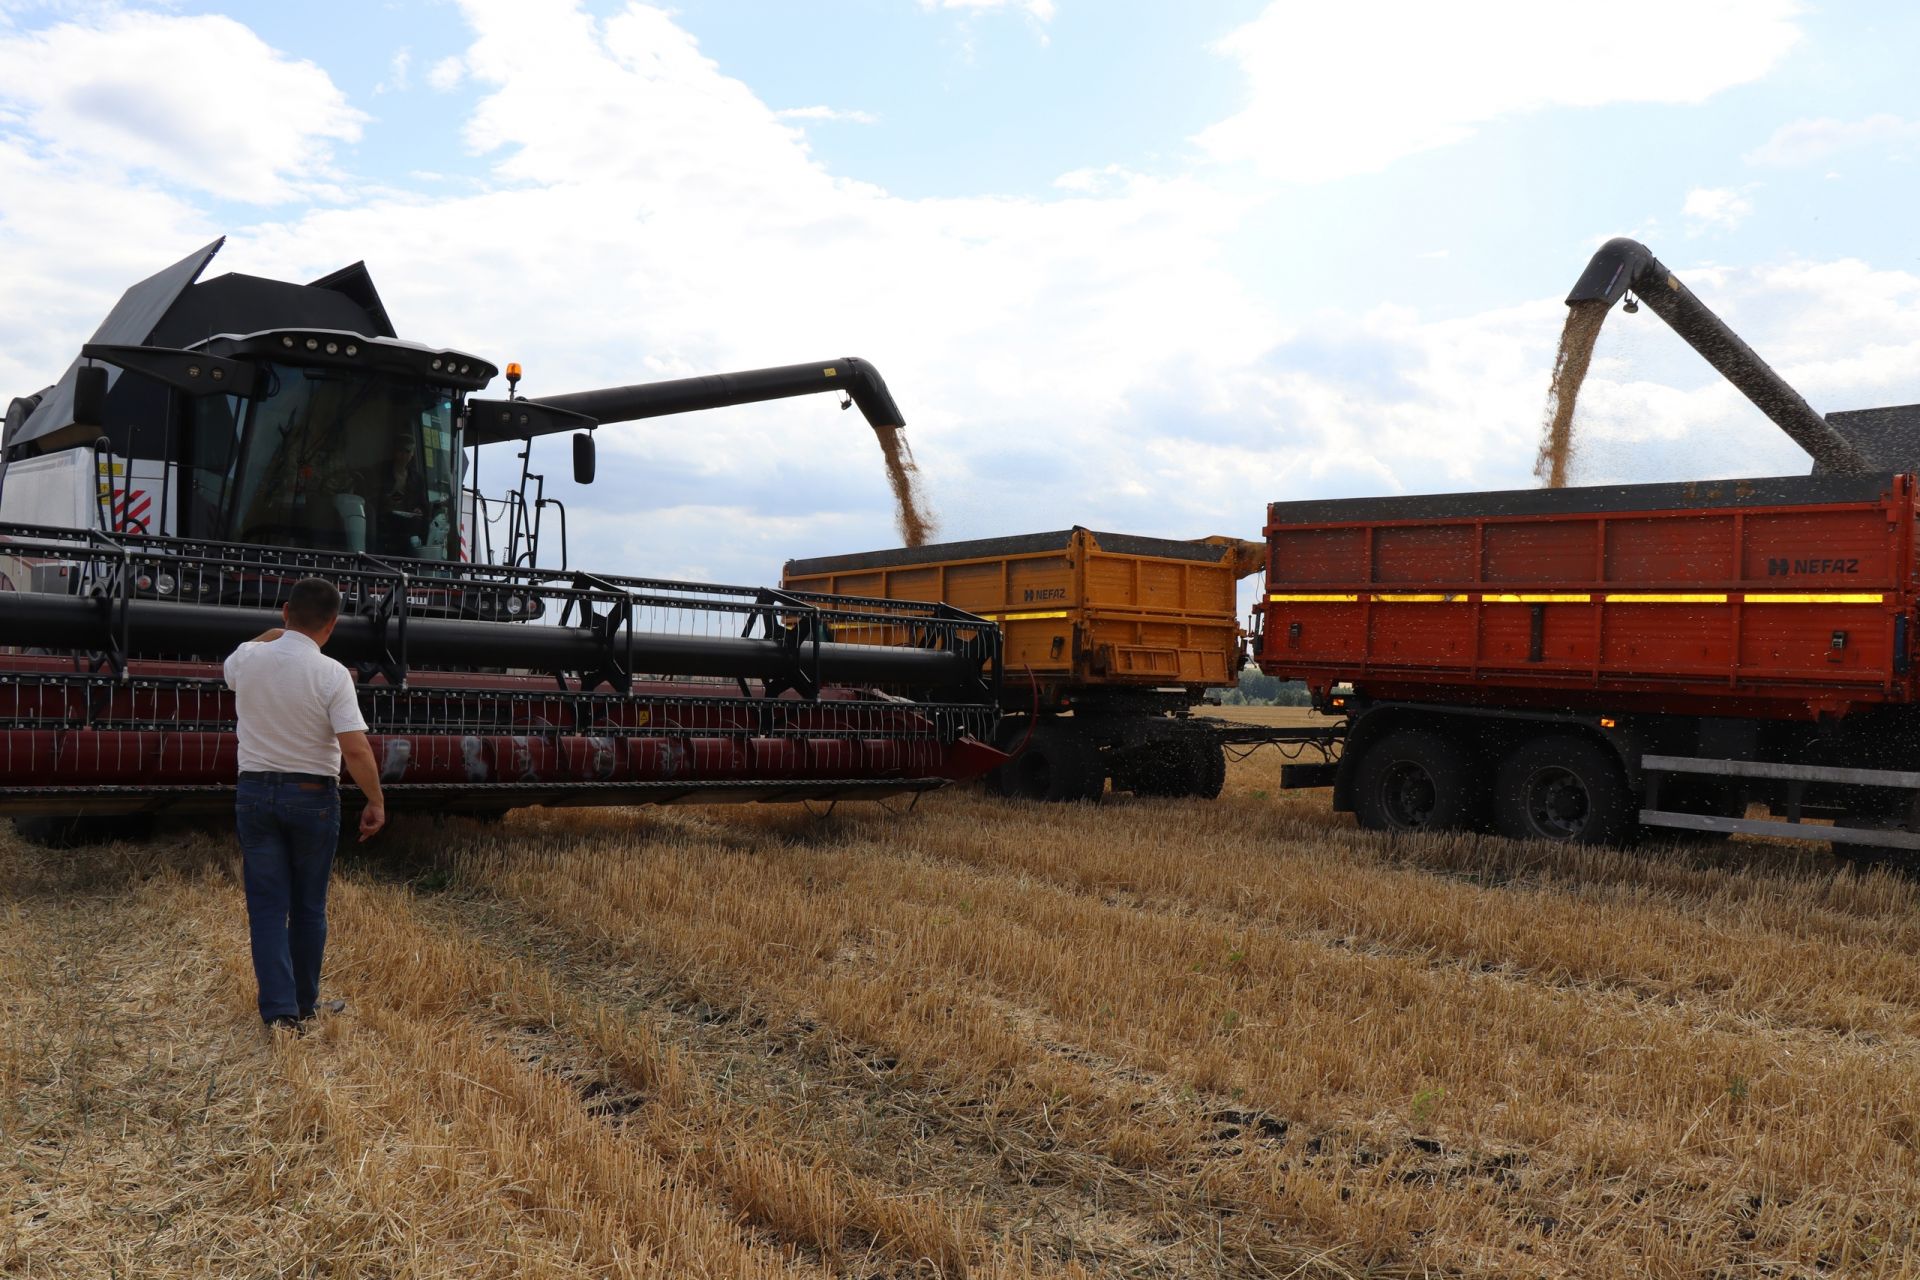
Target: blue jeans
{"x": 288, "y": 831}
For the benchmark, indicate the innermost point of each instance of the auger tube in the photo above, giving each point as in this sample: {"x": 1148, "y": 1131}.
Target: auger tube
{"x": 851, "y": 375}
{"x": 162, "y": 628}
{"x": 1623, "y": 264}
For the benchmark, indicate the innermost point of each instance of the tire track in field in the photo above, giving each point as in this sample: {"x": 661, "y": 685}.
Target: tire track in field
{"x": 890, "y": 916}
{"x": 1820, "y": 1005}
{"x": 1769, "y": 967}
{"x": 893, "y": 1125}
{"x": 1047, "y": 1120}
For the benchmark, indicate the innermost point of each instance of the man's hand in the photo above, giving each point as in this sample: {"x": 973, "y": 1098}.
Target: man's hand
{"x": 357, "y": 753}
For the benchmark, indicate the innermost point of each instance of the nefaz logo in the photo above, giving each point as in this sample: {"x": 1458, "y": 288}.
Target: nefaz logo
{"x": 1045, "y": 593}
{"x": 1786, "y": 568}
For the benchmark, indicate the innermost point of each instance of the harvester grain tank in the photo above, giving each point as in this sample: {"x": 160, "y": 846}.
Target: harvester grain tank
{"x": 1580, "y": 664}
{"x": 219, "y": 439}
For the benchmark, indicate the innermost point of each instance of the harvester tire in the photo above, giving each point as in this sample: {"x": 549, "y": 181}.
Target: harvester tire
{"x": 1563, "y": 788}
{"x": 1008, "y": 736}
{"x": 1059, "y": 765}
{"x": 1416, "y": 780}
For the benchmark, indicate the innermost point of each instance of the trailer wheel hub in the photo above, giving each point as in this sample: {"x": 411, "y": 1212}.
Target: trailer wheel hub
{"x": 1409, "y": 793}
{"x": 1558, "y": 801}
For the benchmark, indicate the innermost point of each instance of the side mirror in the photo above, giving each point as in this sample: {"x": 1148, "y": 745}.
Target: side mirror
{"x": 583, "y": 457}
{"x": 90, "y": 395}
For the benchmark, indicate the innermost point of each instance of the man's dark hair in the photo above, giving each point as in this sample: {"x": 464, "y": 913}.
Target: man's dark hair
{"x": 313, "y": 603}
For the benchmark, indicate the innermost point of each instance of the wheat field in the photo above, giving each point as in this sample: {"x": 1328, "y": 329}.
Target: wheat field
{"x": 978, "y": 1038}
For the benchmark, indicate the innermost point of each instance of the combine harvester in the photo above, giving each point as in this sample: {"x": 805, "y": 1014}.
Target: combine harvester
{"x": 160, "y": 500}
{"x": 1577, "y": 664}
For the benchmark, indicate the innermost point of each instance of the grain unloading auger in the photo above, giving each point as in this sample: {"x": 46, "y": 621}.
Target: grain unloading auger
{"x": 1854, "y": 442}
{"x": 162, "y": 498}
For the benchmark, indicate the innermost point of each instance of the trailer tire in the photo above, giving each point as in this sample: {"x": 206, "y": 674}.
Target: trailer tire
{"x": 1862, "y": 858}
{"x": 1165, "y": 767}
{"x": 1563, "y": 788}
{"x": 1210, "y": 768}
{"x": 1059, "y": 765}
{"x": 1416, "y": 780}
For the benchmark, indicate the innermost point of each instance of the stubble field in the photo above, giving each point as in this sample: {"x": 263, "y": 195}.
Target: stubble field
{"x": 1152, "y": 1038}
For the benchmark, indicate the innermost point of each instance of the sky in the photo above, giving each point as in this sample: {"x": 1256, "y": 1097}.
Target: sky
{"x": 1136, "y": 266}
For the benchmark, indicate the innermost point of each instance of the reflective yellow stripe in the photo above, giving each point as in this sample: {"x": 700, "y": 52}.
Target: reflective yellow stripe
{"x": 1027, "y": 617}
{"x": 1552, "y": 598}
{"x": 1646, "y": 597}
{"x": 1677, "y": 598}
{"x": 1824, "y": 597}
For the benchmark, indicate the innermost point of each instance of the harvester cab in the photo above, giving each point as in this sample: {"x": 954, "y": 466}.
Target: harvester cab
{"x": 219, "y": 439}
{"x": 248, "y": 410}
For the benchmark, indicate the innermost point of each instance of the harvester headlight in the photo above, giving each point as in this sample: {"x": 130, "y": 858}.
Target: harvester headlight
{"x": 287, "y": 341}
{"x": 313, "y": 344}
{"x": 164, "y": 584}
{"x": 333, "y": 348}
{"x": 486, "y": 604}
{"x": 515, "y": 606}
{"x": 437, "y": 362}
{"x": 352, "y": 350}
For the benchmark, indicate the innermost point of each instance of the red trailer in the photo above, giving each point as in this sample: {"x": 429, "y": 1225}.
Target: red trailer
{"x": 1573, "y": 664}
{"x": 1568, "y": 663}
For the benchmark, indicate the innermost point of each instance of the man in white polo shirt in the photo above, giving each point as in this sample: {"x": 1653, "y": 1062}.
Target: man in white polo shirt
{"x": 298, "y": 718}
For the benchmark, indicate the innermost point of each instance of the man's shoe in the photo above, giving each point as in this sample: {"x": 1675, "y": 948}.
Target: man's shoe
{"x": 325, "y": 1006}
{"x": 286, "y": 1023}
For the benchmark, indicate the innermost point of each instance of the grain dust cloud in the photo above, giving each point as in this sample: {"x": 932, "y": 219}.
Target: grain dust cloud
{"x": 911, "y": 516}
{"x": 1569, "y": 371}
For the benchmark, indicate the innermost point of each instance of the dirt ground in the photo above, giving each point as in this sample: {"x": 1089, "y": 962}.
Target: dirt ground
{"x": 1147, "y": 1038}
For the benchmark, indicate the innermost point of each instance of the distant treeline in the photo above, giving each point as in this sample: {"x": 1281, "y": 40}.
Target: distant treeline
{"x": 1257, "y": 689}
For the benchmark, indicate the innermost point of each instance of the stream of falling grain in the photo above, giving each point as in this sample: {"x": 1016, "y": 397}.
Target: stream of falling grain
{"x": 915, "y": 522}
{"x": 1569, "y": 371}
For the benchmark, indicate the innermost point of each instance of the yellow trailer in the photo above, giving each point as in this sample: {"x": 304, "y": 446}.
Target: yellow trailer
{"x": 1109, "y": 638}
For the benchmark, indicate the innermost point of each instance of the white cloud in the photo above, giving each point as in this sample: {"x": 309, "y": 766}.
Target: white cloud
{"x": 71, "y": 239}
{"x": 1714, "y": 209}
{"x": 1038, "y": 10}
{"x": 445, "y": 75}
{"x": 397, "y": 80}
{"x": 199, "y": 101}
{"x": 1342, "y": 89}
{"x": 840, "y": 114}
{"x": 1811, "y": 141}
